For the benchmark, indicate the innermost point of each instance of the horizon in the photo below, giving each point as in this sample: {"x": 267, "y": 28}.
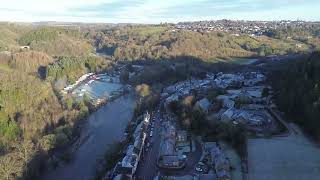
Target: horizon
{"x": 133, "y": 23}
{"x": 151, "y": 12}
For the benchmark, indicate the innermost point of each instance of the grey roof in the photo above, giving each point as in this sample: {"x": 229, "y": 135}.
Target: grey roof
{"x": 204, "y": 104}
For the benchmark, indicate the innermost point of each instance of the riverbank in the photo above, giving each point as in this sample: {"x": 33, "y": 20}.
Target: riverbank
{"x": 102, "y": 129}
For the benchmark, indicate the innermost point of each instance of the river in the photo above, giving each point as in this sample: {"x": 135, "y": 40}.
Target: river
{"x": 102, "y": 129}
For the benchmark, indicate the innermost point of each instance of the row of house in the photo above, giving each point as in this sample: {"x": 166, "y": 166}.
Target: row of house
{"x": 220, "y": 162}
{"x": 238, "y": 80}
{"x": 250, "y": 106}
{"x": 70, "y": 87}
{"x": 175, "y": 145}
{"x": 220, "y": 80}
{"x": 128, "y": 166}
{"x": 185, "y": 88}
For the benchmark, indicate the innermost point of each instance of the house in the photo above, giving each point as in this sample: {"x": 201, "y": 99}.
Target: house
{"x": 220, "y": 163}
{"x": 203, "y": 105}
{"x": 228, "y": 115}
{"x": 182, "y": 136}
{"x": 244, "y": 98}
{"x": 226, "y": 101}
{"x": 183, "y": 143}
{"x": 128, "y": 166}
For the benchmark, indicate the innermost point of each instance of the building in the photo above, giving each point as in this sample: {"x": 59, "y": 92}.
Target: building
{"x": 220, "y": 163}
{"x": 203, "y": 105}
{"x": 183, "y": 144}
{"x": 25, "y": 48}
{"x": 173, "y": 148}
{"x": 226, "y": 100}
{"x": 128, "y": 166}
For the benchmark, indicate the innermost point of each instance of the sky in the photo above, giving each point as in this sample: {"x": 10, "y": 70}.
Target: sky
{"x": 156, "y": 11}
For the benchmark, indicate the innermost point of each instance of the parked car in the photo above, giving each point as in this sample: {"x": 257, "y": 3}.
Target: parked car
{"x": 201, "y": 168}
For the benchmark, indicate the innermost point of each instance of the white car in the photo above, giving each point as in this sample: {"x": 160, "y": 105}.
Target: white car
{"x": 199, "y": 169}
{"x": 151, "y": 133}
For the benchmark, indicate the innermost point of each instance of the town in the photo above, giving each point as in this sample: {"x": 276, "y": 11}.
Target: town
{"x": 162, "y": 148}
{"x": 253, "y": 28}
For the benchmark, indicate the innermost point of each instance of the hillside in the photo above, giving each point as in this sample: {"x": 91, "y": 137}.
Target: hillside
{"x": 299, "y": 92}
{"x": 156, "y": 42}
{"x": 56, "y": 41}
{"x": 9, "y": 33}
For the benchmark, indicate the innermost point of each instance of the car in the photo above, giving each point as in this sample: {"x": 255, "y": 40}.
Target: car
{"x": 235, "y": 122}
{"x": 199, "y": 169}
{"x": 151, "y": 133}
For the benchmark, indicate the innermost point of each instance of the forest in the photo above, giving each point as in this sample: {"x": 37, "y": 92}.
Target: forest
{"x": 34, "y": 121}
{"x": 158, "y": 42}
{"x": 298, "y": 92}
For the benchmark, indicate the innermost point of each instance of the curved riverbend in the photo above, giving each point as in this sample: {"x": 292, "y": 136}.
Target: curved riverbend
{"x": 103, "y": 128}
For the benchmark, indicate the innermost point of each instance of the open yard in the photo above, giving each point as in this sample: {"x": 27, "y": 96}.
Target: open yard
{"x": 283, "y": 158}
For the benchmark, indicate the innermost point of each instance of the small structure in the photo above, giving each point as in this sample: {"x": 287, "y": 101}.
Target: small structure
{"x": 25, "y": 48}
{"x": 183, "y": 143}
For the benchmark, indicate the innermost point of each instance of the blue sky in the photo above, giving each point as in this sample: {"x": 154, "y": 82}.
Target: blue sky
{"x": 156, "y": 11}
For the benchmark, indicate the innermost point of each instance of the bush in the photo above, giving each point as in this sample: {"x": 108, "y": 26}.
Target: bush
{"x": 48, "y": 142}
{"x": 143, "y": 90}
{"x": 9, "y": 131}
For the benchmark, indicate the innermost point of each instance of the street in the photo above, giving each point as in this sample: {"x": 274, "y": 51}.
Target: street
{"x": 147, "y": 168}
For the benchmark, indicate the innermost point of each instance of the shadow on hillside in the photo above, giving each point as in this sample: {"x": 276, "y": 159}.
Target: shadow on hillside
{"x": 181, "y": 68}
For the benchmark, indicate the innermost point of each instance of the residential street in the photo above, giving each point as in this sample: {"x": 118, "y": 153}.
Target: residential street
{"x": 147, "y": 168}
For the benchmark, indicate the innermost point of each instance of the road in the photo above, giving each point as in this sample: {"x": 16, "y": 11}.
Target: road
{"x": 147, "y": 168}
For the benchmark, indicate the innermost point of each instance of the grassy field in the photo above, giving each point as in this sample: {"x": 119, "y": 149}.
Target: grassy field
{"x": 293, "y": 157}
{"x": 240, "y": 61}
{"x": 148, "y": 30}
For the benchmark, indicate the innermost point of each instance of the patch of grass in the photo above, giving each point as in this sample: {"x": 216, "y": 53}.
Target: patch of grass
{"x": 5, "y": 68}
{"x": 148, "y": 30}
